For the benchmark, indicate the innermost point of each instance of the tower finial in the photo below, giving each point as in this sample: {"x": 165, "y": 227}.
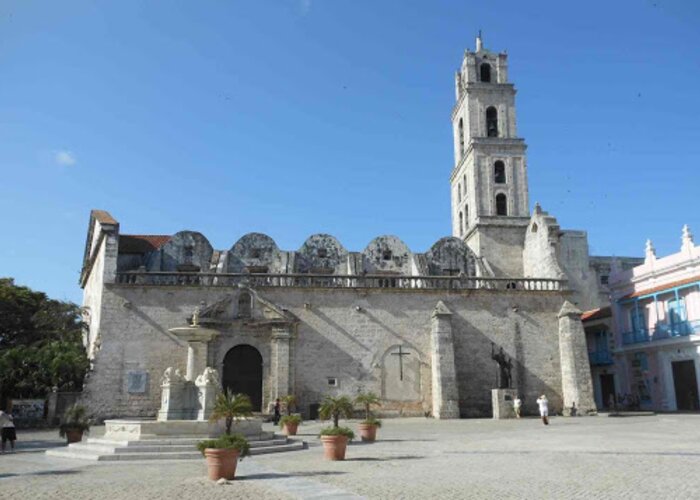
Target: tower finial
{"x": 687, "y": 239}
{"x": 649, "y": 251}
{"x": 479, "y": 43}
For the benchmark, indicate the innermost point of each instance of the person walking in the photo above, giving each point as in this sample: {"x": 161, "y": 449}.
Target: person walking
{"x": 544, "y": 408}
{"x": 7, "y": 426}
{"x": 517, "y": 403}
{"x": 276, "y": 416}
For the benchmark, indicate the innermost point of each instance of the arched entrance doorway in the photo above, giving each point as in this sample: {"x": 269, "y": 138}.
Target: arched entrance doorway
{"x": 243, "y": 373}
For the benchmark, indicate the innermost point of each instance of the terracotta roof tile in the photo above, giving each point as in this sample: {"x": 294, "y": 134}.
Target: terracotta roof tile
{"x": 600, "y": 313}
{"x": 661, "y": 288}
{"x": 103, "y": 217}
{"x": 141, "y": 243}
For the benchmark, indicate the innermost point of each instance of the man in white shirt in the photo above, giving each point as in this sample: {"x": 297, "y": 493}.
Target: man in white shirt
{"x": 544, "y": 408}
{"x": 517, "y": 403}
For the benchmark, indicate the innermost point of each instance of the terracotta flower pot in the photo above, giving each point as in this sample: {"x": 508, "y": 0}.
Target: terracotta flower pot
{"x": 368, "y": 432}
{"x": 334, "y": 447}
{"x": 290, "y": 429}
{"x": 74, "y": 435}
{"x": 221, "y": 463}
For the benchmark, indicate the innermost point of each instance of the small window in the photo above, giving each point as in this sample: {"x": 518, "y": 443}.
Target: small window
{"x": 386, "y": 255}
{"x": 332, "y": 381}
{"x": 466, "y": 217}
{"x": 534, "y": 228}
{"x": 604, "y": 279}
{"x": 499, "y": 172}
{"x": 491, "y": 122}
{"x": 501, "y": 204}
{"x": 322, "y": 253}
{"x": 485, "y": 71}
{"x": 461, "y": 224}
{"x": 459, "y": 192}
{"x": 461, "y": 138}
{"x": 255, "y": 253}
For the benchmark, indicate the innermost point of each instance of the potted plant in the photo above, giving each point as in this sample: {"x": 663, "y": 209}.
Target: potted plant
{"x": 290, "y": 423}
{"x": 369, "y": 426}
{"x": 289, "y": 402}
{"x": 74, "y": 424}
{"x": 222, "y": 454}
{"x": 335, "y": 439}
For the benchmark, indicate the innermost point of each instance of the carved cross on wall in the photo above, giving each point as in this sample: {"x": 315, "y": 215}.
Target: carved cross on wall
{"x": 400, "y": 354}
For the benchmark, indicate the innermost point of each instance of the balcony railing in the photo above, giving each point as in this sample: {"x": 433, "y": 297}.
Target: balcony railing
{"x": 140, "y": 278}
{"x": 600, "y": 358}
{"x": 662, "y": 332}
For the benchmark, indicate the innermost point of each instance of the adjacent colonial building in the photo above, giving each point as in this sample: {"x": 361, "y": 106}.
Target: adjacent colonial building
{"x": 656, "y": 318}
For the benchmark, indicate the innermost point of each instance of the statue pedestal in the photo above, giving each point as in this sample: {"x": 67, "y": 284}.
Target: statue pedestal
{"x": 208, "y": 387}
{"x": 133, "y": 430}
{"x": 502, "y": 403}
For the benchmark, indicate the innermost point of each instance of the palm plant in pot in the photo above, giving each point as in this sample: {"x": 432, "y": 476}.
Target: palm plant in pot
{"x": 290, "y": 423}
{"x": 74, "y": 424}
{"x": 222, "y": 454}
{"x": 369, "y": 426}
{"x": 335, "y": 438}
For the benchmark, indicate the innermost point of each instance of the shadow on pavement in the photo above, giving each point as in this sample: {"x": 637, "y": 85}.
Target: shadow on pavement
{"x": 578, "y": 452}
{"x": 42, "y": 473}
{"x": 384, "y": 459}
{"x": 278, "y": 475}
{"x": 36, "y": 446}
{"x": 404, "y": 441}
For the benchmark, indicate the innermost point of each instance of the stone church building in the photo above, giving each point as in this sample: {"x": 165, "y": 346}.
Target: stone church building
{"x": 417, "y": 328}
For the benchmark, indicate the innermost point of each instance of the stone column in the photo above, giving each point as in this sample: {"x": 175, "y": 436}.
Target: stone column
{"x": 445, "y": 394}
{"x": 576, "y": 381}
{"x": 280, "y": 369}
{"x": 196, "y": 359}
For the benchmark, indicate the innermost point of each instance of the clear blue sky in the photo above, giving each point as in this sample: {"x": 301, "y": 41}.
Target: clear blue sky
{"x": 293, "y": 117}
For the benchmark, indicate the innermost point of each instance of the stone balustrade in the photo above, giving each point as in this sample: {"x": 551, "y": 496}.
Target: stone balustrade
{"x": 140, "y": 278}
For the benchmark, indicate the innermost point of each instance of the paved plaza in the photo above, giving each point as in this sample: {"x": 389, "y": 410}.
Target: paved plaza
{"x": 591, "y": 457}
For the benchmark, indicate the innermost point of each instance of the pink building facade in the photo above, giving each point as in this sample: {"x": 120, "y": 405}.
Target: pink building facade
{"x": 656, "y": 322}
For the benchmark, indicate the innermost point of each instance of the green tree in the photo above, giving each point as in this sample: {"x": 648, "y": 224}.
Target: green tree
{"x": 231, "y": 407}
{"x": 335, "y": 407}
{"x": 40, "y": 343}
{"x": 367, "y": 400}
{"x": 29, "y": 317}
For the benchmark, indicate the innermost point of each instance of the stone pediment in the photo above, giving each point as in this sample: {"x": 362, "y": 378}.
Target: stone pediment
{"x": 246, "y": 306}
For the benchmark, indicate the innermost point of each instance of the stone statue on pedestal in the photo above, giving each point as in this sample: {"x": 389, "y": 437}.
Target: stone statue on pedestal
{"x": 505, "y": 365}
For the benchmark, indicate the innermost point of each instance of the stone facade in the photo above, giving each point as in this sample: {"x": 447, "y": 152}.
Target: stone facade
{"x": 415, "y": 328}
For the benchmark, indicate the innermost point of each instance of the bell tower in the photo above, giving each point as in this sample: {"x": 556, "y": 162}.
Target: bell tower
{"x": 489, "y": 178}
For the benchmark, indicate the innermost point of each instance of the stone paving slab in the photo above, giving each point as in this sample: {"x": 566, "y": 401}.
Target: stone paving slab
{"x": 585, "y": 457}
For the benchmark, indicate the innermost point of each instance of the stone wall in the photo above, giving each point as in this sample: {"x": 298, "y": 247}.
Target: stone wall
{"x": 348, "y": 335}
{"x": 186, "y": 251}
{"x": 500, "y": 240}
{"x": 541, "y": 250}
{"x": 574, "y": 259}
